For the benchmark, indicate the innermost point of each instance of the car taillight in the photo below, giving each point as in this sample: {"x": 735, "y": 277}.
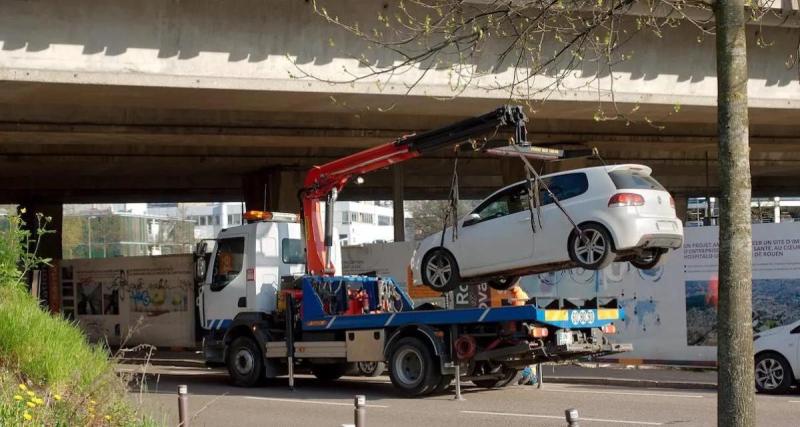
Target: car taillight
{"x": 609, "y": 329}
{"x": 625, "y": 199}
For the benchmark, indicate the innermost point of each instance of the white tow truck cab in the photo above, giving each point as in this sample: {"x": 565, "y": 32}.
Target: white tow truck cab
{"x": 264, "y": 317}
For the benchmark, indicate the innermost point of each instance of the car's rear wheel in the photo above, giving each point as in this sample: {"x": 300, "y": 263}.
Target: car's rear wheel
{"x": 592, "y": 250}
{"x": 502, "y": 283}
{"x": 440, "y": 271}
{"x": 648, "y": 260}
{"x": 773, "y": 373}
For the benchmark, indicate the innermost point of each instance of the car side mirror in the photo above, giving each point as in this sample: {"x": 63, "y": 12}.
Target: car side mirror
{"x": 471, "y": 219}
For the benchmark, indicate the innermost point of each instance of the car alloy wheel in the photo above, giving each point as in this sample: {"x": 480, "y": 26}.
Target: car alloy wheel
{"x": 590, "y": 247}
{"x": 439, "y": 270}
{"x": 769, "y": 374}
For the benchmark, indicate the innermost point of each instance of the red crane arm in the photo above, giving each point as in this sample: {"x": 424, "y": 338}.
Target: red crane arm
{"x": 327, "y": 180}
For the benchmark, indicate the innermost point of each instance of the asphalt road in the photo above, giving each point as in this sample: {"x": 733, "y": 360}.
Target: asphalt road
{"x": 214, "y": 402}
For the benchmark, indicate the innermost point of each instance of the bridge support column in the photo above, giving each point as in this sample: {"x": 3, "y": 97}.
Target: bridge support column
{"x": 273, "y": 189}
{"x": 397, "y": 203}
{"x": 681, "y": 206}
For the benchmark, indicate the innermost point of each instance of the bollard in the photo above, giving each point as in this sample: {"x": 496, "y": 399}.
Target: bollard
{"x": 540, "y": 375}
{"x": 572, "y": 417}
{"x": 458, "y": 382}
{"x": 183, "y": 406}
{"x": 360, "y": 411}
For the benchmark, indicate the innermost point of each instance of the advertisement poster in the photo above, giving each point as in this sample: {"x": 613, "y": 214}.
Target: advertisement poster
{"x": 131, "y": 300}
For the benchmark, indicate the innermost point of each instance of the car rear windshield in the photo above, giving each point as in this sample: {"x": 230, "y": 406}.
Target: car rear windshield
{"x": 626, "y": 179}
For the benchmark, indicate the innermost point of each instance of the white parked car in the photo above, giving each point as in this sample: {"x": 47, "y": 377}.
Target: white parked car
{"x": 624, "y": 213}
{"x": 777, "y": 361}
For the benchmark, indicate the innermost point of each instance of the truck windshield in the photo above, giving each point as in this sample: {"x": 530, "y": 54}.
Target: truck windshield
{"x": 627, "y": 179}
{"x": 292, "y": 251}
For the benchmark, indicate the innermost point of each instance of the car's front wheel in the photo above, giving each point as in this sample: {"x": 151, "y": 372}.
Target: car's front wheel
{"x": 592, "y": 249}
{"x": 502, "y": 283}
{"x": 773, "y": 373}
{"x": 648, "y": 260}
{"x": 440, "y": 271}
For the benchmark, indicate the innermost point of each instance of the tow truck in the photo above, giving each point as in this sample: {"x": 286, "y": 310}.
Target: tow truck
{"x": 271, "y": 304}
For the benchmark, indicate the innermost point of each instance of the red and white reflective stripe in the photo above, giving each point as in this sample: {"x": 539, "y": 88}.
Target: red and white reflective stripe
{"x": 251, "y": 274}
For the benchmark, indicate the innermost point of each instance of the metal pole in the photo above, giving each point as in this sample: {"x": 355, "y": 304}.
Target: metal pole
{"x": 572, "y": 417}
{"x": 183, "y": 406}
{"x": 458, "y": 381}
{"x": 290, "y": 338}
{"x": 539, "y": 375}
{"x": 360, "y": 411}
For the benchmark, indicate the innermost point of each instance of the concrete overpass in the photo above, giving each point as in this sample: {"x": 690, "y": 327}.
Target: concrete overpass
{"x": 192, "y": 100}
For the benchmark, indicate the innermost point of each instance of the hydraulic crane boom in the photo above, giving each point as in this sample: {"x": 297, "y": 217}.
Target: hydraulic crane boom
{"x": 326, "y": 181}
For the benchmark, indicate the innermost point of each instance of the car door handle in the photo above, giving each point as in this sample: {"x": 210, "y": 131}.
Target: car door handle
{"x": 525, "y": 219}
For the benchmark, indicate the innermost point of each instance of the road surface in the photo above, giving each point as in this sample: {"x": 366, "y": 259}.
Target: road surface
{"x": 214, "y": 402}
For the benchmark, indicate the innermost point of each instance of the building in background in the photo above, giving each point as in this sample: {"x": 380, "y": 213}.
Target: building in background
{"x": 113, "y": 230}
{"x": 132, "y": 229}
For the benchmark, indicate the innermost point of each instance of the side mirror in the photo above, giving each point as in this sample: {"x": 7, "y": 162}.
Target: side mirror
{"x": 471, "y": 219}
{"x": 200, "y": 261}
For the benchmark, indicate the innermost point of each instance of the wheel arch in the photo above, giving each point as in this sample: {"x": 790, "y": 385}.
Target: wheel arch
{"x": 251, "y": 325}
{"x": 424, "y": 333}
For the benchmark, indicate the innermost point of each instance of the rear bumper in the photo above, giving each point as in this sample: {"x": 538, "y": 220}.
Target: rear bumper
{"x": 665, "y": 233}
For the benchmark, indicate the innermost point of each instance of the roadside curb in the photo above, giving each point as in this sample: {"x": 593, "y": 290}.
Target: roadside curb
{"x": 623, "y": 382}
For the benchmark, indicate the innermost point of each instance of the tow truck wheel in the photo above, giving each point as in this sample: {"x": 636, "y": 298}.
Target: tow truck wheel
{"x": 371, "y": 369}
{"x": 412, "y": 368}
{"x": 440, "y": 271}
{"x": 245, "y": 363}
{"x": 509, "y": 375}
{"x": 648, "y": 260}
{"x": 592, "y": 251}
{"x": 503, "y": 283}
{"x": 444, "y": 384}
{"x": 329, "y": 371}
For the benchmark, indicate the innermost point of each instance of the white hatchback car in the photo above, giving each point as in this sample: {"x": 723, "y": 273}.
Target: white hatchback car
{"x": 777, "y": 361}
{"x": 624, "y": 213}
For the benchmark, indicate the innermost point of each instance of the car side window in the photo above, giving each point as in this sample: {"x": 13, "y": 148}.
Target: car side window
{"x": 510, "y": 201}
{"x": 228, "y": 262}
{"x": 564, "y": 187}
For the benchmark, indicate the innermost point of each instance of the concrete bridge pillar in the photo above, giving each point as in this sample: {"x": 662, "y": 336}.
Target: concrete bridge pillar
{"x": 273, "y": 189}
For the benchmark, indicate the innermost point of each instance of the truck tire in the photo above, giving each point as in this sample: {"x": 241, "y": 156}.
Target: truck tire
{"x": 371, "y": 369}
{"x": 245, "y": 362}
{"x": 329, "y": 371}
{"x": 509, "y": 377}
{"x": 412, "y": 368}
{"x": 444, "y": 384}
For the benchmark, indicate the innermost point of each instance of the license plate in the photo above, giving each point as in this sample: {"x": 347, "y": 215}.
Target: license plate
{"x": 665, "y": 226}
{"x": 563, "y": 337}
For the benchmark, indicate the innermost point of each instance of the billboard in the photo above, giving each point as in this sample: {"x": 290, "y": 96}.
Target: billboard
{"x": 131, "y": 300}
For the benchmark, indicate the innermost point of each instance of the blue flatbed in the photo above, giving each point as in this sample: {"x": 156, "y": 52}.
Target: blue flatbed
{"x": 315, "y": 317}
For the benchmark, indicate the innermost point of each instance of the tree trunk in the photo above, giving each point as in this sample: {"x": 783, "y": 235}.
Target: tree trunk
{"x": 736, "y": 396}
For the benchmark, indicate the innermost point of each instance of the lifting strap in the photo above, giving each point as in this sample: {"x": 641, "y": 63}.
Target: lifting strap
{"x": 451, "y": 212}
{"x": 538, "y": 179}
